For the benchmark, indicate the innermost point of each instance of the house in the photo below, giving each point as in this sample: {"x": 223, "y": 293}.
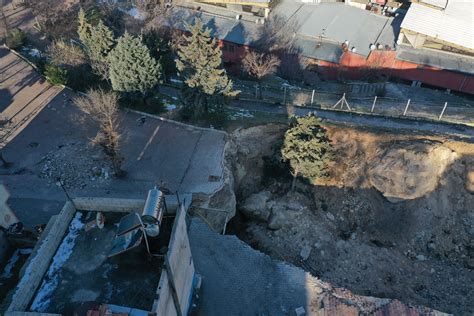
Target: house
{"x": 342, "y": 41}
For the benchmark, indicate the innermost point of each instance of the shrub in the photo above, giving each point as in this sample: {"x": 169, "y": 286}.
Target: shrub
{"x": 55, "y": 75}
{"x": 16, "y": 39}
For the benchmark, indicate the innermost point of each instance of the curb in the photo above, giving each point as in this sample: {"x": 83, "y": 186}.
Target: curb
{"x": 205, "y": 129}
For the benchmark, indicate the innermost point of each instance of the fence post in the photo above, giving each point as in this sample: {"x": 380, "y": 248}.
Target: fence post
{"x": 406, "y": 108}
{"x": 373, "y": 105}
{"x": 312, "y": 97}
{"x": 444, "y": 109}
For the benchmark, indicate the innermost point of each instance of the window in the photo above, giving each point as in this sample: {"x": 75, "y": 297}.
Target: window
{"x": 228, "y": 48}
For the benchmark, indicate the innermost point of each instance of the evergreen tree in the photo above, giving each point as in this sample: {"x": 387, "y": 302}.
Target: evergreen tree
{"x": 132, "y": 69}
{"x": 99, "y": 41}
{"x": 200, "y": 63}
{"x": 84, "y": 27}
{"x": 306, "y": 147}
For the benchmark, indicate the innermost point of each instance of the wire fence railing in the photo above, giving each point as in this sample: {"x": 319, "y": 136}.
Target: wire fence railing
{"x": 349, "y": 101}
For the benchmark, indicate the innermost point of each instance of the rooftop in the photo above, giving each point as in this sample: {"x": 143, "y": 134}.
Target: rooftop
{"x": 436, "y": 58}
{"x": 454, "y": 24}
{"x": 319, "y": 29}
{"x": 339, "y": 22}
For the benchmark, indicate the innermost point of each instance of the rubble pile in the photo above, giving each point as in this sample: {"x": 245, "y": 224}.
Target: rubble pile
{"x": 76, "y": 165}
{"x": 394, "y": 219}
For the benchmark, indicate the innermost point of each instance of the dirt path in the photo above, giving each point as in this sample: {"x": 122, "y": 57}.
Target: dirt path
{"x": 353, "y": 119}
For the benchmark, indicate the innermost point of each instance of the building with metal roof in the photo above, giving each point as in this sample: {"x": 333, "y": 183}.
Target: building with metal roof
{"x": 440, "y": 24}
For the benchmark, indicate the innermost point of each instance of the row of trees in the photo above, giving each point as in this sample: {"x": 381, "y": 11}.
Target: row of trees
{"x": 128, "y": 66}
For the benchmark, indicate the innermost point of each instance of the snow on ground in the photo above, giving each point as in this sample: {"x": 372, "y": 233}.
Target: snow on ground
{"x": 7, "y": 271}
{"x": 241, "y": 114}
{"x": 173, "y": 80}
{"x": 33, "y": 52}
{"x": 170, "y": 107}
{"x": 135, "y": 13}
{"x": 51, "y": 279}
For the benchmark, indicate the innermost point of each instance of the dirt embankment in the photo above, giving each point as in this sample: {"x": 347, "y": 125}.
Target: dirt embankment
{"x": 395, "y": 219}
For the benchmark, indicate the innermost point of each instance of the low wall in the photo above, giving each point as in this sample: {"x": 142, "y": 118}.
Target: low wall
{"x": 39, "y": 264}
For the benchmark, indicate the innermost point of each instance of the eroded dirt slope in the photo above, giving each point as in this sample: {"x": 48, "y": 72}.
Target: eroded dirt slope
{"x": 395, "y": 219}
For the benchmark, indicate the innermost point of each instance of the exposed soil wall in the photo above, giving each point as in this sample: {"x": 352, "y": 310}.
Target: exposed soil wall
{"x": 395, "y": 219}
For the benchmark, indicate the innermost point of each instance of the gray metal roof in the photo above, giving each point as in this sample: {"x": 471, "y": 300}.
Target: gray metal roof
{"x": 437, "y": 59}
{"x": 340, "y": 22}
{"x": 320, "y": 29}
{"x": 327, "y": 51}
{"x": 228, "y": 29}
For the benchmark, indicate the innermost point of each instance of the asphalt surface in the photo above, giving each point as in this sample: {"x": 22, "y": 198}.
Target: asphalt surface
{"x": 181, "y": 157}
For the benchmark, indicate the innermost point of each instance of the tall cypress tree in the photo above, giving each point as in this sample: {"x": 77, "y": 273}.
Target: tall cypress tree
{"x": 307, "y": 147}
{"x": 200, "y": 63}
{"x": 132, "y": 69}
{"x": 99, "y": 41}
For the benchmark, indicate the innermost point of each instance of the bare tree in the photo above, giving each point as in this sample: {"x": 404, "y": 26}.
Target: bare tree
{"x": 260, "y": 66}
{"x": 64, "y": 54}
{"x": 102, "y": 106}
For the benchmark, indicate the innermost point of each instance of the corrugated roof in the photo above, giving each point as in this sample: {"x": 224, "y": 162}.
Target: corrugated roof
{"x": 327, "y": 51}
{"x": 436, "y": 3}
{"x": 228, "y": 29}
{"x": 437, "y": 59}
{"x": 340, "y": 22}
{"x": 455, "y": 24}
{"x": 320, "y": 29}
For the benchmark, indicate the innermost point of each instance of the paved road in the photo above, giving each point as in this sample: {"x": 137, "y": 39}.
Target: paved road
{"x": 23, "y": 94}
{"x": 184, "y": 158}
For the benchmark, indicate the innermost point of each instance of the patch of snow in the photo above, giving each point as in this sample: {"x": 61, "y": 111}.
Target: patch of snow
{"x": 135, "y": 13}
{"x": 33, "y": 52}
{"x": 174, "y": 98}
{"x": 170, "y": 107}
{"x": 7, "y": 271}
{"x": 241, "y": 114}
{"x": 173, "y": 80}
{"x": 51, "y": 279}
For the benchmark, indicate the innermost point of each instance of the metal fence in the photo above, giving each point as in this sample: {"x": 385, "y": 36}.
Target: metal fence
{"x": 349, "y": 100}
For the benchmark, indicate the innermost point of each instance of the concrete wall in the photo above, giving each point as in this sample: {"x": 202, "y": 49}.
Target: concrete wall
{"x": 39, "y": 264}
{"x": 176, "y": 282}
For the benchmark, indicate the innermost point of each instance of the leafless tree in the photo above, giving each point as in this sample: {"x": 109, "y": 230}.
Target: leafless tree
{"x": 65, "y": 54}
{"x": 102, "y": 106}
{"x": 259, "y": 66}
